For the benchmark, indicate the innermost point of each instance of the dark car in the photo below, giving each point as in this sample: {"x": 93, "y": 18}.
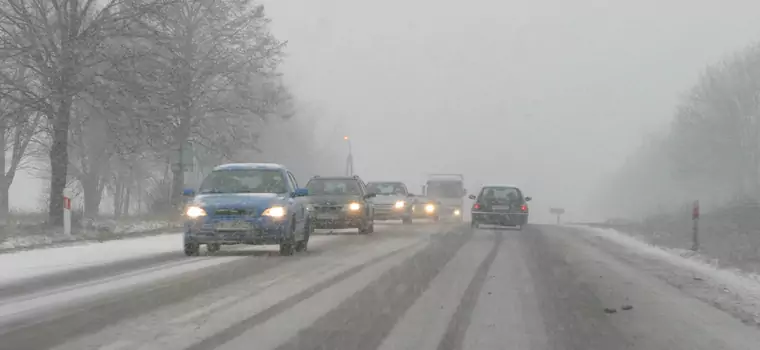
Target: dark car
{"x": 247, "y": 203}
{"x": 340, "y": 202}
{"x": 426, "y": 208}
{"x": 502, "y": 205}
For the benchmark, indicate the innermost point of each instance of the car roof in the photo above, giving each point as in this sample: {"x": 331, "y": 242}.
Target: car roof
{"x": 250, "y": 166}
{"x": 500, "y": 186}
{"x": 385, "y": 182}
{"x": 334, "y": 178}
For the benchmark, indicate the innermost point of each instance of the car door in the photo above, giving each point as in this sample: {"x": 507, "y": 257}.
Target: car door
{"x": 297, "y": 204}
{"x": 367, "y": 202}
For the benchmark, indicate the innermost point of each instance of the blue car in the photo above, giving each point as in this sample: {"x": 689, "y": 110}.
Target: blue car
{"x": 247, "y": 203}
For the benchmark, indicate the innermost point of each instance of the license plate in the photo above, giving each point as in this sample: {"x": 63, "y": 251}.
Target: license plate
{"x": 500, "y": 208}
{"x": 233, "y": 226}
{"x": 327, "y": 216}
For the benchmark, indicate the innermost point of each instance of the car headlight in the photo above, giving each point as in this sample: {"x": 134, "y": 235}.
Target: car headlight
{"x": 400, "y": 204}
{"x": 430, "y": 208}
{"x": 195, "y": 212}
{"x": 354, "y": 206}
{"x": 457, "y": 212}
{"x": 275, "y": 212}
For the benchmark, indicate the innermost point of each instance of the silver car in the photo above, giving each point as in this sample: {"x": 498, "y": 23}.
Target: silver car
{"x": 392, "y": 201}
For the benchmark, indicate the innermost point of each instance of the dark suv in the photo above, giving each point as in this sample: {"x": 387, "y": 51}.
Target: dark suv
{"x": 339, "y": 202}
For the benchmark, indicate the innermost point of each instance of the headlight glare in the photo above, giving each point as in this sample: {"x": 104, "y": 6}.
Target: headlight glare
{"x": 400, "y": 204}
{"x": 274, "y": 212}
{"x": 430, "y": 208}
{"x": 195, "y": 212}
{"x": 354, "y": 206}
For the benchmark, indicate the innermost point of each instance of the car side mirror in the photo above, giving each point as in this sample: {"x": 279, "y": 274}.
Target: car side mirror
{"x": 472, "y": 196}
{"x": 527, "y": 199}
{"x": 370, "y": 195}
{"x": 300, "y": 192}
{"x": 188, "y": 192}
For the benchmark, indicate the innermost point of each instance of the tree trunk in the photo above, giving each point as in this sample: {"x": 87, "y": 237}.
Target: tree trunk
{"x": 4, "y": 185}
{"x": 125, "y": 205}
{"x": 59, "y": 160}
{"x": 92, "y": 193}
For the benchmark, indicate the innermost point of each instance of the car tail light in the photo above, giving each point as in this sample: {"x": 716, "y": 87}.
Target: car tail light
{"x": 476, "y": 206}
{"x": 524, "y": 207}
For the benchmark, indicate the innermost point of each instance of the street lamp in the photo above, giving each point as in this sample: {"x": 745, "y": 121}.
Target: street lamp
{"x": 349, "y": 159}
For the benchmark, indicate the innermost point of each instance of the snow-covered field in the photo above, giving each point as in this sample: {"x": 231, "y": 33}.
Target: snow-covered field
{"x": 732, "y": 290}
{"x": 26, "y": 239}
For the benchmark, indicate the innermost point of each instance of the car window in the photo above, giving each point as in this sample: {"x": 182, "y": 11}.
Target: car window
{"x": 386, "y": 188}
{"x": 293, "y": 180}
{"x": 500, "y": 194}
{"x": 334, "y": 187}
{"x": 244, "y": 181}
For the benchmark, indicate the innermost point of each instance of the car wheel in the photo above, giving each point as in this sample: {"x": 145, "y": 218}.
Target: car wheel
{"x": 192, "y": 249}
{"x": 213, "y": 247}
{"x": 303, "y": 245}
{"x": 406, "y": 221}
{"x": 436, "y": 218}
{"x": 364, "y": 228}
{"x": 371, "y": 227}
{"x": 287, "y": 246}
{"x": 474, "y": 224}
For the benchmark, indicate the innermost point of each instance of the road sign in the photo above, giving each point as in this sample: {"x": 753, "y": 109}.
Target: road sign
{"x": 557, "y": 211}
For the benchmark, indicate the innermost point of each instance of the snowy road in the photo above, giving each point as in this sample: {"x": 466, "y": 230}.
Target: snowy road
{"x": 418, "y": 287}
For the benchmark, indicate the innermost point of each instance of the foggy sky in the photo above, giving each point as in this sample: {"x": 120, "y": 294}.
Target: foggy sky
{"x": 546, "y": 94}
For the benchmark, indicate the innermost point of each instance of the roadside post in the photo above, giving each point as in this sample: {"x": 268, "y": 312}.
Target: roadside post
{"x": 558, "y": 212}
{"x": 695, "y": 228}
{"x": 67, "y": 194}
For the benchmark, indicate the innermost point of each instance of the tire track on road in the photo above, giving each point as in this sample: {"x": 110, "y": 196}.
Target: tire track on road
{"x": 454, "y": 336}
{"x": 364, "y": 320}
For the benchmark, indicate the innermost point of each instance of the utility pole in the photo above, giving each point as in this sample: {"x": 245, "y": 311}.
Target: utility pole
{"x": 349, "y": 159}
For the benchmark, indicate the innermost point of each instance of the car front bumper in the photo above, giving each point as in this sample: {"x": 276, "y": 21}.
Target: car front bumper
{"x": 238, "y": 230}
{"x": 339, "y": 221}
{"x": 391, "y": 213}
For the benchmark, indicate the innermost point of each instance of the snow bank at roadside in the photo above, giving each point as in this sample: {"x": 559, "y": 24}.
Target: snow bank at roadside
{"x": 731, "y": 290}
{"x": 27, "y": 264}
{"x": 101, "y": 232}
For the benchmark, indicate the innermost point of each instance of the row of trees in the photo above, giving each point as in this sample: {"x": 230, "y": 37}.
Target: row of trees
{"x": 108, "y": 92}
{"x": 711, "y": 151}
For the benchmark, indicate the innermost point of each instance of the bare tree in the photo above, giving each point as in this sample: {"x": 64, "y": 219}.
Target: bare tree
{"x": 214, "y": 76}
{"x": 59, "y": 42}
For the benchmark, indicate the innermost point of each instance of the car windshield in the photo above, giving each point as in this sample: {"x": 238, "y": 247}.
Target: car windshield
{"x": 447, "y": 189}
{"x": 386, "y": 188}
{"x": 338, "y": 187}
{"x": 499, "y": 194}
{"x": 244, "y": 181}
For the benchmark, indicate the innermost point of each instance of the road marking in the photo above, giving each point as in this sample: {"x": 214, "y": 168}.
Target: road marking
{"x": 423, "y": 325}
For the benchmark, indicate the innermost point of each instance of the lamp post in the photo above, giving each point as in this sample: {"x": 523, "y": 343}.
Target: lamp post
{"x": 349, "y": 159}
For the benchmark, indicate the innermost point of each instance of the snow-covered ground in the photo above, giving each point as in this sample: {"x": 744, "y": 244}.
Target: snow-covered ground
{"x": 104, "y": 231}
{"x": 732, "y": 290}
{"x": 33, "y": 263}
